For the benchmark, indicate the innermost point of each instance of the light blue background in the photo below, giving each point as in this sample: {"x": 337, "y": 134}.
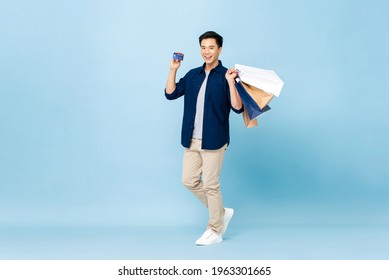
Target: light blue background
{"x": 88, "y": 138}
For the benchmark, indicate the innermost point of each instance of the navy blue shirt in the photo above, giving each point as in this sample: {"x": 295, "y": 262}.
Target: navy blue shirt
{"x": 217, "y": 106}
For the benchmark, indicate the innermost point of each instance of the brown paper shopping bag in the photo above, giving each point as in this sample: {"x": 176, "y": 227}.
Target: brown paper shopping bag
{"x": 261, "y": 97}
{"x": 249, "y": 123}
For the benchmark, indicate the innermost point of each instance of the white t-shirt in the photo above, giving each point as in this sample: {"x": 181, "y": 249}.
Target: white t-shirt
{"x": 198, "y": 124}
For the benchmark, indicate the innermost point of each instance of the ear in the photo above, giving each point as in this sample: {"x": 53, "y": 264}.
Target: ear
{"x": 220, "y": 50}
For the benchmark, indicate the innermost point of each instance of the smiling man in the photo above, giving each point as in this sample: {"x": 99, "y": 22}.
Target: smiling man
{"x": 209, "y": 95}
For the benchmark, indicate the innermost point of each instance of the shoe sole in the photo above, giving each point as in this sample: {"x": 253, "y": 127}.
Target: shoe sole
{"x": 217, "y": 242}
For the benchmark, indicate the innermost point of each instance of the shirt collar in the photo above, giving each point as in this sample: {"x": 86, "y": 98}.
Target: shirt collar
{"x": 218, "y": 68}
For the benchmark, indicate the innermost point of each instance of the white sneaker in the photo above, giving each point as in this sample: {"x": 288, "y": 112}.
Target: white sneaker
{"x": 228, "y": 213}
{"x": 209, "y": 237}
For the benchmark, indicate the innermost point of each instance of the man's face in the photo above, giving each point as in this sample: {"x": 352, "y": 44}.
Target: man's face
{"x": 210, "y": 50}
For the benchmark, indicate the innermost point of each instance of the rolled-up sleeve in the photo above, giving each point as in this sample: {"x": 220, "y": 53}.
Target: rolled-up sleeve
{"x": 178, "y": 92}
{"x": 238, "y": 111}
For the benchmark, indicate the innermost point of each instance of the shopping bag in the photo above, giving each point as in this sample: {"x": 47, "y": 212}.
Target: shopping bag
{"x": 261, "y": 97}
{"x": 266, "y": 80}
{"x": 250, "y": 106}
{"x": 247, "y": 122}
{"x": 252, "y": 123}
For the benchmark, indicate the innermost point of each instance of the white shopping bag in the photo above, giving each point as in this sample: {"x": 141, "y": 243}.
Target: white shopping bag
{"x": 266, "y": 80}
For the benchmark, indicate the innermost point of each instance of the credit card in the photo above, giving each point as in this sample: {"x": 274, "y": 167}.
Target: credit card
{"x": 178, "y": 56}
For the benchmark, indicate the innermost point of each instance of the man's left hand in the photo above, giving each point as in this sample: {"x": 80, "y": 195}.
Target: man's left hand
{"x": 231, "y": 74}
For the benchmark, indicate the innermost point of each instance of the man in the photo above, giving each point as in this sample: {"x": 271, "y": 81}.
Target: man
{"x": 210, "y": 94}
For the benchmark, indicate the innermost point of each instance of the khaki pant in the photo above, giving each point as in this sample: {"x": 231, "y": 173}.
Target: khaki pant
{"x": 201, "y": 175}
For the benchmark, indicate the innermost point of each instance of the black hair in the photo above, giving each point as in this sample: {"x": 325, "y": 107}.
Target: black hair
{"x": 212, "y": 35}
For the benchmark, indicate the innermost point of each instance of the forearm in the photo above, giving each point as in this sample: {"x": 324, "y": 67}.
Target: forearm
{"x": 171, "y": 81}
{"x": 236, "y": 101}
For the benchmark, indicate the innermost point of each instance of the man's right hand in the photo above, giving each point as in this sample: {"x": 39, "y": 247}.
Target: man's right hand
{"x": 171, "y": 80}
{"x": 175, "y": 64}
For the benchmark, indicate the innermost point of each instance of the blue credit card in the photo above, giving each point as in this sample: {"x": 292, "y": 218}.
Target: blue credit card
{"x": 178, "y": 56}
